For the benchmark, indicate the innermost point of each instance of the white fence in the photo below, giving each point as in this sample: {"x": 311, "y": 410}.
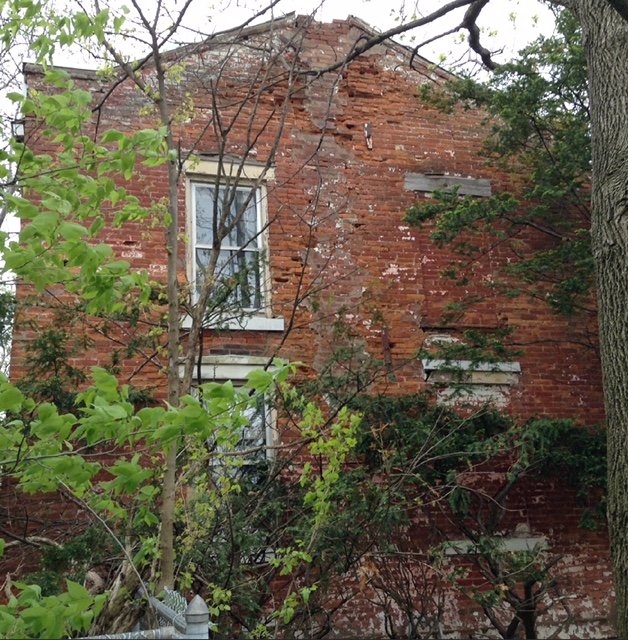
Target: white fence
{"x": 180, "y": 620}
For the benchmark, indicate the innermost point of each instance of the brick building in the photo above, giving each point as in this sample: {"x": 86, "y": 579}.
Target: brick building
{"x": 324, "y": 184}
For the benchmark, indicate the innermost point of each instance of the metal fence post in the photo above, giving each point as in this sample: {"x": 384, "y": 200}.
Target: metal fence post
{"x": 197, "y": 619}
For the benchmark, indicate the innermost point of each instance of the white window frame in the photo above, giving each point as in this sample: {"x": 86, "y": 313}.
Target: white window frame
{"x": 204, "y": 171}
{"x": 257, "y": 245}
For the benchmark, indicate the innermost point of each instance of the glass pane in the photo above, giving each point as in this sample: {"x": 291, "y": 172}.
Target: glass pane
{"x": 245, "y": 231}
{"x": 254, "y": 434}
{"x": 238, "y": 278}
{"x": 248, "y": 270}
{"x": 251, "y": 436}
{"x": 205, "y": 207}
{"x": 202, "y": 260}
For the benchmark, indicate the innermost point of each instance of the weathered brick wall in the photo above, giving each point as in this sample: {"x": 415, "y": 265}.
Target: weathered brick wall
{"x": 338, "y": 244}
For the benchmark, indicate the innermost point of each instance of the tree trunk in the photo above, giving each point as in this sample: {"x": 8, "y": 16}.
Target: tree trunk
{"x": 168, "y": 495}
{"x": 606, "y": 43}
{"x": 122, "y": 610}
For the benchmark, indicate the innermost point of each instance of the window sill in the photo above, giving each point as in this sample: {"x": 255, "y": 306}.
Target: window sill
{"x": 468, "y": 365}
{"x": 468, "y": 372}
{"x": 248, "y": 323}
{"x": 510, "y": 544}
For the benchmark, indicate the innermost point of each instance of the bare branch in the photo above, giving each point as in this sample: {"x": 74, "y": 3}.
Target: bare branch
{"x": 84, "y": 505}
{"x": 470, "y": 23}
{"x": 364, "y": 44}
{"x": 35, "y": 541}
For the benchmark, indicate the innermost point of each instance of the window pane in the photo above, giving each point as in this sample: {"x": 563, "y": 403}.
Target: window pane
{"x": 205, "y": 207}
{"x": 202, "y": 261}
{"x": 249, "y": 293}
{"x": 252, "y": 443}
{"x": 237, "y": 277}
{"x": 254, "y": 434}
{"x": 245, "y": 231}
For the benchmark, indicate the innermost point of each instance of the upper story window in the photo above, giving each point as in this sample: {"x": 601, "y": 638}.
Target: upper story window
{"x": 228, "y": 200}
{"x": 234, "y": 214}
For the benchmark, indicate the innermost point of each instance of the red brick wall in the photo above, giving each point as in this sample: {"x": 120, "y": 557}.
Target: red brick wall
{"x": 337, "y": 227}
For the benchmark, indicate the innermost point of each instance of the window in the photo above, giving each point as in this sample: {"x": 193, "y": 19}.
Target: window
{"x": 509, "y": 544}
{"x": 240, "y": 298}
{"x": 238, "y": 271}
{"x": 467, "y": 382}
{"x": 256, "y": 436}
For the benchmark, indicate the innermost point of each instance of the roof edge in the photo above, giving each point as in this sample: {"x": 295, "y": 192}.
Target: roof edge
{"x": 33, "y": 68}
{"x": 242, "y": 33}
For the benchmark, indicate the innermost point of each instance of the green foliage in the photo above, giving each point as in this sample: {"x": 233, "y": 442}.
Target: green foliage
{"x": 29, "y": 614}
{"x": 242, "y": 529}
{"x": 7, "y": 313}
{"x": 409, "y": 433}
{"x": 538, "y": 129}
{"x": 44, "y": 450}
{"x": 475, "y": 345}
{"x": 426, "y": 457}
{"x": 50, "y": 373}
{"x": 74, "y": 189}
{"x": 579, "y": 457}
{"x": 70, "y": 561}
{"x": 456, "y": 215}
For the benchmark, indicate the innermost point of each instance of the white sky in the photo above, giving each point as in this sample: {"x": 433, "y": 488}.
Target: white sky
{"x": 506, "y": 23}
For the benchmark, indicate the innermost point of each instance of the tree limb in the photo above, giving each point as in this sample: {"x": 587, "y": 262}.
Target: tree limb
{"x": 470, "y": 23}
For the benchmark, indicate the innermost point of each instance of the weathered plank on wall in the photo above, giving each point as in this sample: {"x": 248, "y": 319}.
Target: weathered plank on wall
{"x": 466, "y": 186}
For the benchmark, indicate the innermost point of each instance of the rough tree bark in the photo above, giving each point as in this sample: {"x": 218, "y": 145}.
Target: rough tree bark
{"x": 606, "y": 42}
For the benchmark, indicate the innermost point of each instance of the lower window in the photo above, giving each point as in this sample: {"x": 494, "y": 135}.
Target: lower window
{"x": 249, "y": 452}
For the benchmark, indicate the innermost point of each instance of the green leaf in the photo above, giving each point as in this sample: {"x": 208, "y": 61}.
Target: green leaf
{"x": 77, "y": 591}
{"x": 72, "y": 230}
{"x": 112, "y": 136}
{"x": 104, "y": 381}
{"x": 259, "y": 380}
{"x": 57, "y": 77}
{"x": 11, "y": 398}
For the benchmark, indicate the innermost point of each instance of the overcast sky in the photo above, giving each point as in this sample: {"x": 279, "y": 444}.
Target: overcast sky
{"x": 511, "y": 22}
